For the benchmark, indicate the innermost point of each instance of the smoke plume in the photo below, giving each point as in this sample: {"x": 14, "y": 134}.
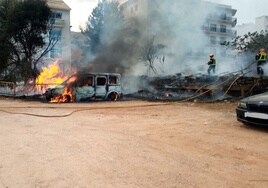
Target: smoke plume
{"x": 178, "y": 25}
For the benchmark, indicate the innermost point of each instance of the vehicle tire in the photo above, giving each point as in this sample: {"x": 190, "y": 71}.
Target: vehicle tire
{"x": 113, "y": 96}
{"x": 48, "y": 98}
{"x": 68, "y": 99}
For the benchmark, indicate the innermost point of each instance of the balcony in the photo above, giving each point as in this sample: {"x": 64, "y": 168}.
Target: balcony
{"x": 224, "y": 19}
{"x": 234, "y": 21}
{"x": 219, "y": 31}
{"x": 57, "y": 22}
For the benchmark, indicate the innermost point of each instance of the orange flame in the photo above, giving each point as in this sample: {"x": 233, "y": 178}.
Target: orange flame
{"x": 51, "y": 75}
{"x": 66, "y": 96}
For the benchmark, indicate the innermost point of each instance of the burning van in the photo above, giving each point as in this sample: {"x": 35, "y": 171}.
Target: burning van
{"x": 86, "y": 87}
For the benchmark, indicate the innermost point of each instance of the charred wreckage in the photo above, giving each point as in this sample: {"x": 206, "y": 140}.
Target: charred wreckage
{"x": 85, "y": 87}
{"x": 179, "y": 87}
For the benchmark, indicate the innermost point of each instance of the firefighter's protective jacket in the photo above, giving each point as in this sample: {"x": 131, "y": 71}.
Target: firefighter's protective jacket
{"x": 212, "y": 62}
{"x": 261, "y": 57}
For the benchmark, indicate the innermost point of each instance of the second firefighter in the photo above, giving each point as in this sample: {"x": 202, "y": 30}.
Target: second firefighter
{"x": 211, "y": 64}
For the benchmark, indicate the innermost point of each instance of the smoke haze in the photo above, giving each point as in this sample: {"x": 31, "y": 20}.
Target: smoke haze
{"x": 175, "y": 24}
{"x": 178, "y": 26}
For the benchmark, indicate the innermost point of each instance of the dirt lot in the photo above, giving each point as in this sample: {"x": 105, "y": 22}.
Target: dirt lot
{"x": 129, "y": 144}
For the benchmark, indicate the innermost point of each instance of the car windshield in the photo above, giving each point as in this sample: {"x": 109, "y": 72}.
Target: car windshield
{"x": 69, "y": 80}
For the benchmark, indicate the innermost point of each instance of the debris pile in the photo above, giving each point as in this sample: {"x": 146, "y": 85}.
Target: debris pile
{"x": 200, "y": 87}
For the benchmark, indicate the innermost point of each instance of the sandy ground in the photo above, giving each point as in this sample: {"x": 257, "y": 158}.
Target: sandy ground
{"x": 129, "y": 144}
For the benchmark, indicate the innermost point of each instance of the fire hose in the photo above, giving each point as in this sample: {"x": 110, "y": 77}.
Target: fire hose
{"x": 77, "y": 110}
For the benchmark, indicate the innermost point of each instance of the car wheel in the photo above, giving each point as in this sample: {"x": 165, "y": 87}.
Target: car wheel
{"x": 68, "y": 99}
{"x": 48, "y": 98}
{"x": 113, "y": 96}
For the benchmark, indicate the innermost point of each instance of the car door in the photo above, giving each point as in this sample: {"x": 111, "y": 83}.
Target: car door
{"x": 84, "y": 89}
{"x": 101, "y": 86}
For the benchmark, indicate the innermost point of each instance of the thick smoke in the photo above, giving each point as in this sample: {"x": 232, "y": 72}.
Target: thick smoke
{"x": 178, "y": 25}
{"x": 119, "y": 50}
{"x": 180, "y": 28}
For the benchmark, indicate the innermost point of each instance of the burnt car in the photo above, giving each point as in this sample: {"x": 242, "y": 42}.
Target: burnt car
{"x": 253, "y": 110}
{"x": 87, "y": 86}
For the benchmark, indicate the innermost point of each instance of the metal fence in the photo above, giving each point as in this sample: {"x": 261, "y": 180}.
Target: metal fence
{"x": 21, "y": 89}
{"x": 7, "y": 88}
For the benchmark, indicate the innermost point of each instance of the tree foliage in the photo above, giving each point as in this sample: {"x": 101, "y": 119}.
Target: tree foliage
{"x": 5, "y": 46}
{"x": 250, "y": 42}
{"x": 24, "y": 27}
{"x": 104, "y": 22}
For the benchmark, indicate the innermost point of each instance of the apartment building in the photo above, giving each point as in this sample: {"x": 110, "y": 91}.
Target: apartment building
{"x": 245, "y": 28}
{"x": 261, "y": 23}
{"x": 219, "y": 26}
{"x": 61, "y": 18}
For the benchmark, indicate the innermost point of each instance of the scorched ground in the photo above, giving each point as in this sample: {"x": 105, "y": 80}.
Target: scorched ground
{"x": 129, "y": 144}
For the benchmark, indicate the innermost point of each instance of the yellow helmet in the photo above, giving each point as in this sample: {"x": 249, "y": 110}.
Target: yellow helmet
{"x": 262, "y": 50}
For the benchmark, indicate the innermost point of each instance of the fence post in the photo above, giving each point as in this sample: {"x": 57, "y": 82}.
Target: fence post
{"x": 14, "y": 88}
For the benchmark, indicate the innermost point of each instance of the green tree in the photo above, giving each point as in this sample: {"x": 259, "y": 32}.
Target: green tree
{"x": 104, "y": 22}
{"x": 5, "y": 46}
{"x": 250, "y": 42}
{"x": 24, "y": 27}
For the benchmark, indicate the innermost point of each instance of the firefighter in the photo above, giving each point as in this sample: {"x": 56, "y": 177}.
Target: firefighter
{"x": 261, "y": 58}
{"x": 211, "y": 64}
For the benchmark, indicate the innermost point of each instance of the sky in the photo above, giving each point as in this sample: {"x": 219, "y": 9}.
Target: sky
{"x": 247, "y": 10}
{"x": 80, "y": 11}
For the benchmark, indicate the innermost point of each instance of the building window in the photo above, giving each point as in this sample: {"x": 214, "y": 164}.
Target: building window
{"x": 222, "y": 40}
{"x": 56, "y": 52}
{"x": 212, "y": 39}
{"x": 55, "y": 34}
{"x": 223, "y": 16}
{"x": 223, "y": 28}
{"x": 56, "y": 15}
{"x": 213, "y": 27}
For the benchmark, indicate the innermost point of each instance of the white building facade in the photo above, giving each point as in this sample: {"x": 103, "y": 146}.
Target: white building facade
{"x": 62, "y": 50}
{"x": 261, "y": 23}
{"x": 219, "y": 27}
